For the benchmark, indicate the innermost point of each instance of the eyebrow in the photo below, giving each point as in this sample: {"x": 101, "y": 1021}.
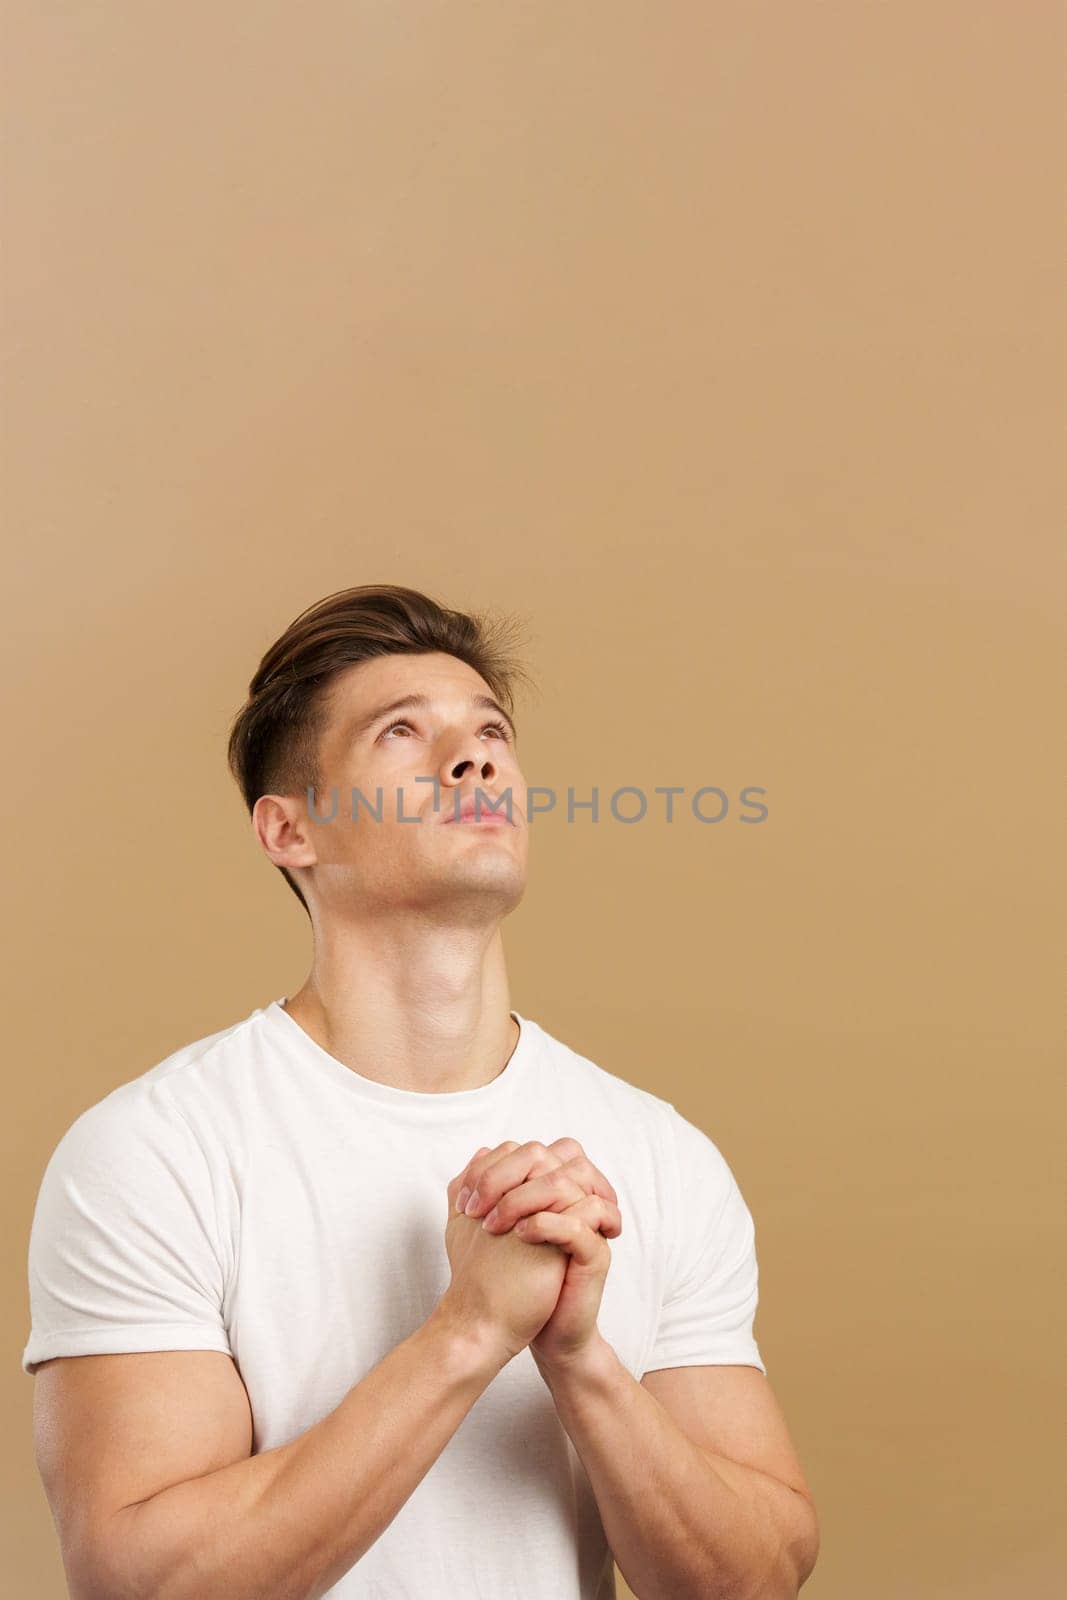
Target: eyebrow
{"x": 422, "y": 703}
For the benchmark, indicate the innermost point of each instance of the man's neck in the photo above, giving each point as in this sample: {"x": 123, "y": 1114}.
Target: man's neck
{"x": 427, "y": 1010}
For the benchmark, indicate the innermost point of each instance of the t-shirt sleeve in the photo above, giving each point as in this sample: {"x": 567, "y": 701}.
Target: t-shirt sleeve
{"x": 123, "y": 1250}
{"x": 711, "y": 1283}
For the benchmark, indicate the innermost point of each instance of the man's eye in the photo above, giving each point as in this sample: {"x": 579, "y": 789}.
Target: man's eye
{"x": 402, "y": 722}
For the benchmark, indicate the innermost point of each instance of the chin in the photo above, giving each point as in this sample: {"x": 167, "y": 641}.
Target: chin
{"x": 496, "y": 886}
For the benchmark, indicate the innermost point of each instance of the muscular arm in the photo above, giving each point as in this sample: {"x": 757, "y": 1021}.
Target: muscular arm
{"x": 683, "y": 1519}
{"x": 284, "y": 1524}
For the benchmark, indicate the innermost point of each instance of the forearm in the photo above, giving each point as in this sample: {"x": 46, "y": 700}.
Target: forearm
{"x": 680, "y": 1521}
{"x": 286, "y": 1524}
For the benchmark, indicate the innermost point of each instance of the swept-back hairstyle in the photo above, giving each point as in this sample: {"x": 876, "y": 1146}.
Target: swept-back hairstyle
{"x": 274, "y": 740}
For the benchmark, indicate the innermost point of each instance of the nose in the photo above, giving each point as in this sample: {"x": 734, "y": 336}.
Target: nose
{"x": 467, "y": 758}
{"x": 456, "y": 769}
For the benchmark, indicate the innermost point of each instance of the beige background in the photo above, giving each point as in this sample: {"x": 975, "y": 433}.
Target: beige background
{"x": 724, "y": 344}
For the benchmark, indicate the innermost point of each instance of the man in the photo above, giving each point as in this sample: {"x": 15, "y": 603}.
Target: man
{"x": 321, "y": 1303}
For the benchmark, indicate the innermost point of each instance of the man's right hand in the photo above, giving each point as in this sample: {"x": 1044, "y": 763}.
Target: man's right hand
{"x": 502, "y": 1287}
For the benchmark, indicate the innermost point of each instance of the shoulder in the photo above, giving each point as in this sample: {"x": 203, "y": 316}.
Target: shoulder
{"x": 124, "y": 1141}
{"x": 150, "y": 1114}
{"x": 684, "y": 1147}
{"x": 583, "y": 1069}
{"x": 611, "y": 1093}
{"x": 203, "y": 1061}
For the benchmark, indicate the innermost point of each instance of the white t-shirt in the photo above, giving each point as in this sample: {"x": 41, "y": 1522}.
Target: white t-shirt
{"x": 252, "y": 1194}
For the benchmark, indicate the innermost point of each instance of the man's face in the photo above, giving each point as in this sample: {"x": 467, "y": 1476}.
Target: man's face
{"x": 434, "y": 861}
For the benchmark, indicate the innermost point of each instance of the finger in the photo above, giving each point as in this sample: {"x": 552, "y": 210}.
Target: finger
{"x": 597, "y": 1213}
{"x": 549, "y": 1191}
{"x": 588, "y": 1177}
{"x": 481, "y": 1150}
{"x": 468, "y": 1178}
{"x": 494, "y": 1175}
{"x": 466, "y": 1168}
{"x": 570, "y": 1150}
{"x": 567, "y": 1229}
{"x": 454, "y": 1184}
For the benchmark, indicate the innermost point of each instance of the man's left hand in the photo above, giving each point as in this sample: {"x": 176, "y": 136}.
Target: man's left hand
{"x": 551, "y": 1194}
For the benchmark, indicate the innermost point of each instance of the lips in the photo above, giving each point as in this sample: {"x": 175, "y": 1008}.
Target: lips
{"x": 484, "y": 816}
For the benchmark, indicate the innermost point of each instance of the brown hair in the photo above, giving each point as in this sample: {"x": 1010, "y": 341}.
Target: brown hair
{"x": 274, "y": 741}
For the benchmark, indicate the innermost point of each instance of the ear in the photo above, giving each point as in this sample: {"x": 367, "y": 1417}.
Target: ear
{"x": 284, "y": 833}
